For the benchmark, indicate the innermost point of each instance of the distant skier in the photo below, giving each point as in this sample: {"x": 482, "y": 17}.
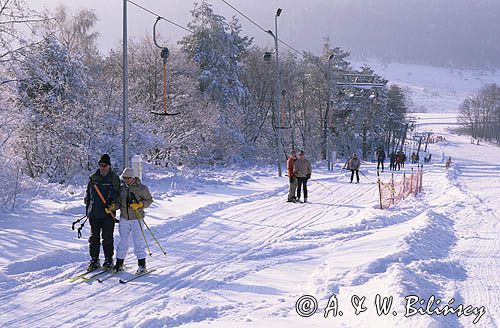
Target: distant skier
{"x": 392, "y": 158}
{"x": 303, "y": 167}
{"x": 399, "y": 159}
{"x": 134, "y": 198}
{"x": 353, "y": 165}
{"x": 403, "y": 159}
{"x": 448, "y": 163}
{"x": 413, "y": 158}
{"x": 292, "y": 174}
{"x": 102, "y": 200}
{"x": 380, "y": 158}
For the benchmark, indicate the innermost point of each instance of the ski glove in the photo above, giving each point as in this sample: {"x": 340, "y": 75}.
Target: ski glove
{"x": 136, "y": 206}
{"x": 308, "y": 176}
{"x": 110, "y": 209}
{"x": 292, "y": 179}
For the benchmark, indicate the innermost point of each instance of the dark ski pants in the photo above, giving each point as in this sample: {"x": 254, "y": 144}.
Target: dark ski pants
{"x": 357, "y": 175}
{"x": 302, "y": 183}
{"x": 106, "y": 226}
{"x": 380, "y": 162}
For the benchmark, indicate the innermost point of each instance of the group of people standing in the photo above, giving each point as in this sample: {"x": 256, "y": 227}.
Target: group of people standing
{"x": 105, "y": 194}
{"x": 397, "y": 160}
{"x": 299, "y": 171}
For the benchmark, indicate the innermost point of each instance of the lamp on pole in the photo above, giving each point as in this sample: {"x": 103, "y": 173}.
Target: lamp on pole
{"x": 125, "y": 88}
{"x": 328, "y": 100}
{"x": 267, "y": 55}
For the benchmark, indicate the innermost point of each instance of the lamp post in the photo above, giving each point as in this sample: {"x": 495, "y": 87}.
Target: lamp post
{"x": 267, "y": 55}
{"x": 325, "y": 127}
{"x": 125, "y": 88}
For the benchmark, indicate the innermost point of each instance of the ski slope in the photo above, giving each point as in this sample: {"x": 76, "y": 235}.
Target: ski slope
{"x": 238, "y": 255}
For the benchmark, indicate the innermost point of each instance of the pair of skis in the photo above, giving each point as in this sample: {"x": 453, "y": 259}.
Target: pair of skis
{"x": 91, "y": 275}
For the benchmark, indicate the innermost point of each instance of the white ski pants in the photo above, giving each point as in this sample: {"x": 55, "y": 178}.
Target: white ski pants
{"x": 126, "y": 227}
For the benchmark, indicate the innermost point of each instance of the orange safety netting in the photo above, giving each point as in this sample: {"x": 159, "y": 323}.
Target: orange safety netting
{"x": 393, "y": 192}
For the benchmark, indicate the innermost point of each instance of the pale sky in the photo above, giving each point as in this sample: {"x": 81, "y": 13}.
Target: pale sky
{"x": 140, "y": 22}
{"x": 438, "y": 32}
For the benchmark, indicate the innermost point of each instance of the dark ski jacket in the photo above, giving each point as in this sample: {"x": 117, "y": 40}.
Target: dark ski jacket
{"x": 381, "y": 155}
{"x": 109, "y": 185}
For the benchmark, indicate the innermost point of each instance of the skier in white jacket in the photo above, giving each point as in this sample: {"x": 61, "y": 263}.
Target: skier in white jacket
{"x": 134, "y": 197}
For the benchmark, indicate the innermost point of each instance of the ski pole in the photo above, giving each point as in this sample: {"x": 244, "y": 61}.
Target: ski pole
{"x": 75, "y": 222}
{"x": 152, "y": 235}
{"x": 151, "y": 232}
{"x": 79, "y": 230}
{"x": 143, "y": 235}
{"x": 364, "y": 175}
{"x": 322, "y": 185}
{"x": 81, "y": 227}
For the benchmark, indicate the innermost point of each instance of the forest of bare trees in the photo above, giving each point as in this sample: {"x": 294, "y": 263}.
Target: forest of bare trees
{"x": 480, "y": 113}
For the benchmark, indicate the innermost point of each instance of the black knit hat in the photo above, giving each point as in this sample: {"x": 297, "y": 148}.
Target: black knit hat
{"x": 105, "y": 159}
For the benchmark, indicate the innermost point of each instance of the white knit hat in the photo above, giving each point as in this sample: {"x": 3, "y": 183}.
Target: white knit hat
{"x": 128, "y": 173}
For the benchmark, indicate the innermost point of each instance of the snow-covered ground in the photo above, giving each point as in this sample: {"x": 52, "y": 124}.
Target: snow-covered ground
{"x": 434, "y": 89}
{"x": 239, "y": 255}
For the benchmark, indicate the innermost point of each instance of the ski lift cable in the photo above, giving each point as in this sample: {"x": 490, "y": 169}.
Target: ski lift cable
{"x": 260, "y": 27}
{"x": 159, "y": 16}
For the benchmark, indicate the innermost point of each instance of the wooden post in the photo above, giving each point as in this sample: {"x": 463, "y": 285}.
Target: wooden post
{"x": 411, "y": 181}
{"x": 379, "y": 190}
{"x": 392, "y": 188}
{"x": 404, "y": 184}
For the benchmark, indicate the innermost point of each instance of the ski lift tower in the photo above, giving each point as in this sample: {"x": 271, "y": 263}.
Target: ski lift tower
{"x": 360, "y": 81}
{"x": 267, "y": 58}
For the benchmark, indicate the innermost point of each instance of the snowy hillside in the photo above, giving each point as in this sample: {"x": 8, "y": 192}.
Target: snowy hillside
{"x": 238, "y": 255}
{"x": 434, "y": 89}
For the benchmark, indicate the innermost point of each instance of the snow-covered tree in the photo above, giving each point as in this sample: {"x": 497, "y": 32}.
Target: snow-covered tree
{"x": 217, "y": 48}
{"x": 50, "y": 94}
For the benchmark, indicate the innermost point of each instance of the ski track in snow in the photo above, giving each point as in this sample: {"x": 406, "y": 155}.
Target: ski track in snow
{"x": 245, "y": 261}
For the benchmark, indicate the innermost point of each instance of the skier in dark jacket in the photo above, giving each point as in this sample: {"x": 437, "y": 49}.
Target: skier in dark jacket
{"x": 103, "y": 184}
{"x": 380, "y": 158}
{"x": 392, "y": 165}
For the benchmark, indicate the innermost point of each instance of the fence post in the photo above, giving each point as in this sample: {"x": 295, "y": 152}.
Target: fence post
{"x": 411, "y": 181}
{"x": 379, "y": 190}
{"x": 404, "y": 184}
{"x": 421, "y": 176}
{"x": 392, "y": 188}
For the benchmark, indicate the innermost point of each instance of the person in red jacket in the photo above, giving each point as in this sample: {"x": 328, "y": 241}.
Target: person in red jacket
{"x": 292, "y": 177}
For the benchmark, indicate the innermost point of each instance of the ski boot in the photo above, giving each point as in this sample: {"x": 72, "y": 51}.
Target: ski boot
{"x": 118, "y": 266}
{"x": 108, "y": 263}
{"x": 94, "y": 264}
{"x": 142, "y": 267}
